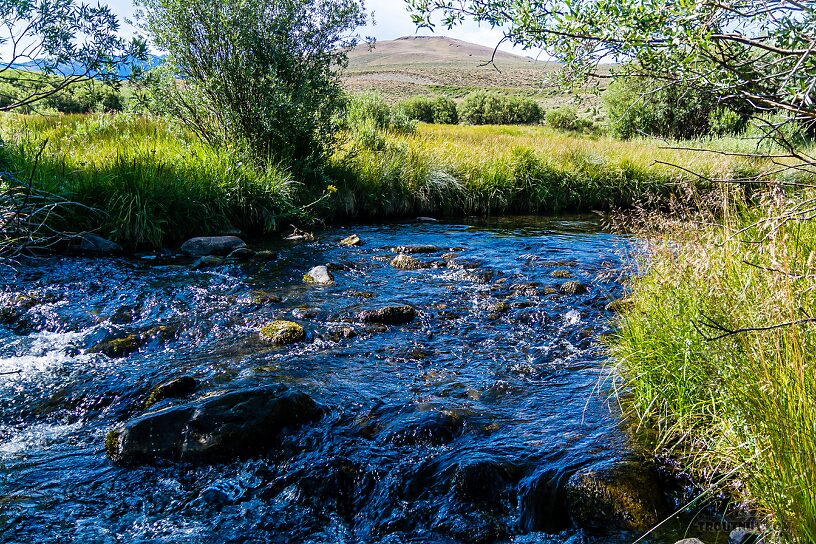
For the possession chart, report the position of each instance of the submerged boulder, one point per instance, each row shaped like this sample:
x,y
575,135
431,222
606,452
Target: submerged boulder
x,y
389,315
406,262
229,425
212,245
92,243
242,253
175,388
623,496
410,249
573,288
281,332
319,275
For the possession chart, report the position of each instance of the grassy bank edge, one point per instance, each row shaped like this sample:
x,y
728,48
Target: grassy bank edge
x,y
714,358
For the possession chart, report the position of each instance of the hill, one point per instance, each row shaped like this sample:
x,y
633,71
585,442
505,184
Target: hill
x,y
426,65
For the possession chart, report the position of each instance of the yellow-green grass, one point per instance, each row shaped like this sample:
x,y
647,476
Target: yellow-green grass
x,y
715,358
456,169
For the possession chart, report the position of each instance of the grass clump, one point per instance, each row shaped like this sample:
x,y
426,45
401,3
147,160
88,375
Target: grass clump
x,y
715,355
148,183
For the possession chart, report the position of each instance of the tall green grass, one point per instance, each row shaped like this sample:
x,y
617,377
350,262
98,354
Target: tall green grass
x,y
739,410
153,184
149,183
449,169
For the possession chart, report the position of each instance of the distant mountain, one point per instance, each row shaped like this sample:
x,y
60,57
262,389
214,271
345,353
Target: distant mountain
x,y
123,71
439,51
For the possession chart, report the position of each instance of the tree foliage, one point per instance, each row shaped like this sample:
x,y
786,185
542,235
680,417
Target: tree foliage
x,y
51,45
649,107
259,74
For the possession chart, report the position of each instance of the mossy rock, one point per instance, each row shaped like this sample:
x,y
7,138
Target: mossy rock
x,y
319,275
619,305
350,241
281,333
175,388
112,441
406,262
561,273
265,297
623,496
573,288
119,347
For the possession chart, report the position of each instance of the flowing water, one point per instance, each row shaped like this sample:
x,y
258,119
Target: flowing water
x,y
439,430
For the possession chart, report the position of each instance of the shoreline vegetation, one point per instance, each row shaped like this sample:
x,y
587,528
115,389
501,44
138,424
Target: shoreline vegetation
x,y
145,183
734,411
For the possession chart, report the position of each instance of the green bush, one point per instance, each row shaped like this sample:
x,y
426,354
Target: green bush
x,y
564,118
418,108
440,109
489,108
444,111
257,74
641,106
368,119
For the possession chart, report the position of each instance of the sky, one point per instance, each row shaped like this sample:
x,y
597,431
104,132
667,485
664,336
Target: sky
x,y
392,21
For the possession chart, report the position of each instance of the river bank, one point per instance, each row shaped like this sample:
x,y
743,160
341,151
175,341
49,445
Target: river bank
x,y
142,182
714,357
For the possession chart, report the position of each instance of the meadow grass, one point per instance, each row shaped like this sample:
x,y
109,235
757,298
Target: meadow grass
x,y
715,357
149,183
153,184
455,169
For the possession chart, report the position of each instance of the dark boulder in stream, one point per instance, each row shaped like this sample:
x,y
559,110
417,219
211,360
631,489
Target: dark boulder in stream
x,y
212,245
93,243
389,315
226,426
622,496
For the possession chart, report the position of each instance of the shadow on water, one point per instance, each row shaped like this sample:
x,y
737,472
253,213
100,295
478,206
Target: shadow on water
x,y
451,428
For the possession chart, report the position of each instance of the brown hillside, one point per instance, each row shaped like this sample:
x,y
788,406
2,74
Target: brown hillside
x,y
428,65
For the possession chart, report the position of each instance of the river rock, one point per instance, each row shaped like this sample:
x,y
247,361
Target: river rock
x,y
689,541
423,219
573,288
229,425
561,273
419,248
544,502
319,275
480,481
406,262
211,245
430,428
240,254
281,333
743,535
92,243
175,388
350,241
265,297
623,496
389,315
206,261
118,347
